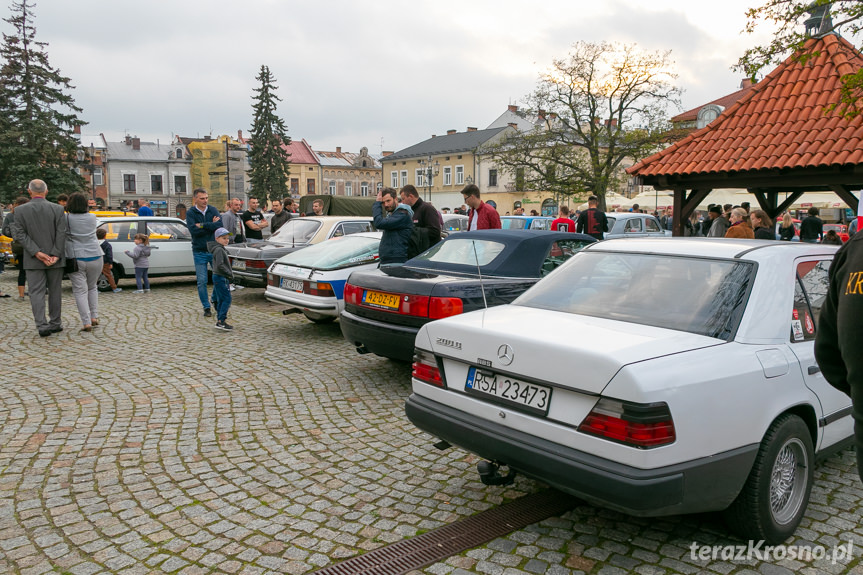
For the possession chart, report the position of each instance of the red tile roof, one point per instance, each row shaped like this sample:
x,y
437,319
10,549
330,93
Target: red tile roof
x,y
301,152
781,123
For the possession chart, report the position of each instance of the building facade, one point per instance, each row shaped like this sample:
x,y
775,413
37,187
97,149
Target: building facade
x,y
348,173
159,173
304,177
219,165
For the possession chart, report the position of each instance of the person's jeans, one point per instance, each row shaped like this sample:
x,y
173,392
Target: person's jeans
x,y
142,278
201,261
221,296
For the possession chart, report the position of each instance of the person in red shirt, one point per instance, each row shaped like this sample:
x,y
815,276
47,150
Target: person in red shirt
x,y
480,216
563,223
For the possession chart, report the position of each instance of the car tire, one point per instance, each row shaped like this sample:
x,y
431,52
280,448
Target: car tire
x,y
319,318
102,283
776,493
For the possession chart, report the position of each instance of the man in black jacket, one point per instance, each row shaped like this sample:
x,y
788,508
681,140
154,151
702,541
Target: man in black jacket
x,y
811,228
425,214
395,221
839,337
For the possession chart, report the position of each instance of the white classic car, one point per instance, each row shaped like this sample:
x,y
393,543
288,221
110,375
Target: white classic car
x,y
650,376
312,280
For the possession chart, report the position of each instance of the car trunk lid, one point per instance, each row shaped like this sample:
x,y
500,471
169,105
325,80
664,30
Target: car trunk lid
x,y
579,352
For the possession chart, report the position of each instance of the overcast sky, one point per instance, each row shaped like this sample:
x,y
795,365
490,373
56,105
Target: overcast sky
x,y
384,74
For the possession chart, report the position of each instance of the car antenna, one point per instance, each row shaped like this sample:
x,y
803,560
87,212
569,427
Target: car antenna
x,y
479,272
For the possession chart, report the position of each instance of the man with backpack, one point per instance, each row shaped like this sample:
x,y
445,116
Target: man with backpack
x,y
427,222
395,220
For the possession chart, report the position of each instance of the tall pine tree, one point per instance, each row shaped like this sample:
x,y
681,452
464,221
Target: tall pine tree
x,y
269,161
37,115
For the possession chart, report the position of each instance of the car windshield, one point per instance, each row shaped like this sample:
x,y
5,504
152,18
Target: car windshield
x,y
468,252
512,224
611,221
696,295
335,253
297,230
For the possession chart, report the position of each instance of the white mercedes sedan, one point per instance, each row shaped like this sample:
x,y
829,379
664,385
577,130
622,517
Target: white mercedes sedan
x,y
650,376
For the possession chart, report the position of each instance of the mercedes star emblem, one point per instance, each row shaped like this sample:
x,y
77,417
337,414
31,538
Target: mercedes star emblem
x,y
505,354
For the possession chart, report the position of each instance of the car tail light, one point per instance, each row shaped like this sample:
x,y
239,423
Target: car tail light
x,y
320,289
444,307
638,425
353,294
272,280
259,264
425,369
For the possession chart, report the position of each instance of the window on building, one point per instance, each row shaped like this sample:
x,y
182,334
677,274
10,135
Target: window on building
x,y
492,177
295,186
379,187
394,179
420,180
447,175
97,177
364,189
349,188
404,176
179,153
332,191
459,175
179,184
237,185
155,183
310,186
128,182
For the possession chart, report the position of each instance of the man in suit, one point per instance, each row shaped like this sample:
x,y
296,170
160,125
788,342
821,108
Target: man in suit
x,y
40,227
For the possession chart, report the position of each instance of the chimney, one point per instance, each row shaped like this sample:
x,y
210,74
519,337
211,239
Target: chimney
x,y
128,140
136,143
240,135
745,83
207,138
512,125
541,114
338,149
77,130
512,108
471,129
450,132
387,153
434,135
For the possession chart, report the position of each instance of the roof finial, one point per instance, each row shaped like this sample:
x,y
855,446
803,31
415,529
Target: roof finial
x,y
819,23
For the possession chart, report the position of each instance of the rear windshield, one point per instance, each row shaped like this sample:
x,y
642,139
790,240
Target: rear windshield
x,y
696,295
335,253
511,224
297,230
468,252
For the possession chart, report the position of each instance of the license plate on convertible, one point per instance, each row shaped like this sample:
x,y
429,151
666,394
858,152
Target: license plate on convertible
x,y
506,389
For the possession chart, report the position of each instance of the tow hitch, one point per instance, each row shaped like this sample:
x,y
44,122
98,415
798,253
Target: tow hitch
x,y
489,474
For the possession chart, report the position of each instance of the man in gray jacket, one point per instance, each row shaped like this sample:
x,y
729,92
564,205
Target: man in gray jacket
x,y
40,227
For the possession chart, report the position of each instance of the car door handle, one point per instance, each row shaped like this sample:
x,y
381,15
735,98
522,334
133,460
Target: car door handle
x,y
813,369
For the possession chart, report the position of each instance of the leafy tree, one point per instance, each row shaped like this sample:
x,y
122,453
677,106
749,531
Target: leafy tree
x,y
269,161
602,105
788,17
37,115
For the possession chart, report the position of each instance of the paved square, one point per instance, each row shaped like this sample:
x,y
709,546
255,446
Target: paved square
x,y
158,444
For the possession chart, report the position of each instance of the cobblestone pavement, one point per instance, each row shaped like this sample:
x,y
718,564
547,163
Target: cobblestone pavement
x,y
157,444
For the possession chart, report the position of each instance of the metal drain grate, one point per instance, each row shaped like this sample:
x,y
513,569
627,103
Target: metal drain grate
x,y
443,542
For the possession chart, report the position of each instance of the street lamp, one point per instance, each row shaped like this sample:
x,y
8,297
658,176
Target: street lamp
x,y
429,172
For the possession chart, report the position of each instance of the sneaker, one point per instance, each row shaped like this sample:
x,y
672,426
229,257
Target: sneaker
x,y
232,287
118,290
147,290
208,312
20,298
224,325
138,291
239,286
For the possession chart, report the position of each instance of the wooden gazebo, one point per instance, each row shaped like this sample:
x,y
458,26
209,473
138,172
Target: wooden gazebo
x,y
781,138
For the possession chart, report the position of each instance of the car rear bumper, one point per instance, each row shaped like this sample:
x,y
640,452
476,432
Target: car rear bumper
x,y
705,484
384,339
250,279
327,306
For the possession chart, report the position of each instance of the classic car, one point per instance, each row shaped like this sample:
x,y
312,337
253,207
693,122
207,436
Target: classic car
x,y
250,260
633,225
384,308
525,222
312,280
649,376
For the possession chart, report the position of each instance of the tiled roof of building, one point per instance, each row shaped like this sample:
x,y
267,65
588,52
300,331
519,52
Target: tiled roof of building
x,y
724,101
781,123
301,152
449,144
